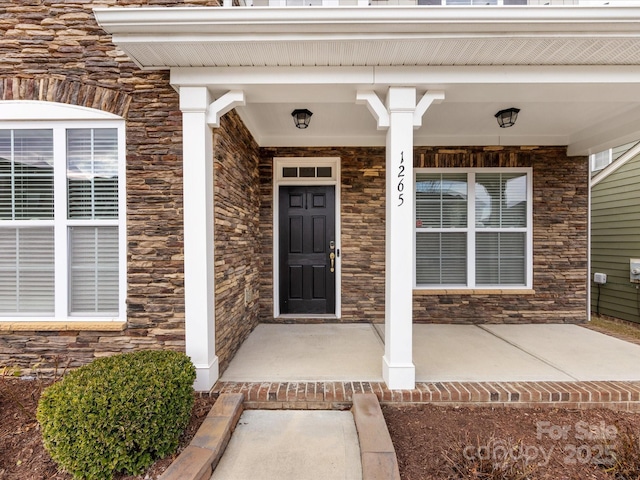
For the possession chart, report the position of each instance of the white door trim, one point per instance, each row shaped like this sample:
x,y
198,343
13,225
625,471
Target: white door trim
x,y
278,181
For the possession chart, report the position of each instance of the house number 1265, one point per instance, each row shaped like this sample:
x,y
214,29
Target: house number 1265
x,y
401,180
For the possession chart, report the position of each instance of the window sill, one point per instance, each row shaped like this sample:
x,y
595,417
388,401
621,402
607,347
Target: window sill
x,y
474,291
21,326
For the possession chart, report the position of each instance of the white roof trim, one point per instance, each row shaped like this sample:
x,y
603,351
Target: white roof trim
x,y
367,21
32,110
612,167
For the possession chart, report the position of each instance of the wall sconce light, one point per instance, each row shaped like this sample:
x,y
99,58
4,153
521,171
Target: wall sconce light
x,y
507,118
301,117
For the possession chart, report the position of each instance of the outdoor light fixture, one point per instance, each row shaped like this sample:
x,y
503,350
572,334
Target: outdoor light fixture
x,y
301,117
507,118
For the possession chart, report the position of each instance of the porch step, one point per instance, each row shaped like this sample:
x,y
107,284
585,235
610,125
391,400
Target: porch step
x,y
199,459
615,395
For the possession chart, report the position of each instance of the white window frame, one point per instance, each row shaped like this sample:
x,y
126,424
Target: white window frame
x,y
20,115
471,229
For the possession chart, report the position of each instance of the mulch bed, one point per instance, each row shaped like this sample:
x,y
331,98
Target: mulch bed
x,y
435,442
22,455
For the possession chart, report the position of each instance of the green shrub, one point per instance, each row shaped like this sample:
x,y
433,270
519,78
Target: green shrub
x,y
117,414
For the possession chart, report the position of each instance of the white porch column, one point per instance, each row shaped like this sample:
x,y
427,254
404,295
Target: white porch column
x,y
198,236
400,115
398,369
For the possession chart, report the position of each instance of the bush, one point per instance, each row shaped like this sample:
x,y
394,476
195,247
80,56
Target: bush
x,y
117,414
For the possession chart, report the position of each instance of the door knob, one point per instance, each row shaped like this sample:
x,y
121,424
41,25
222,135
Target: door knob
x,y
332,257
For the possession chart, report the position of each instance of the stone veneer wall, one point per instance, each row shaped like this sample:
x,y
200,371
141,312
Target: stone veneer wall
x,y
55,51
237,249
560,200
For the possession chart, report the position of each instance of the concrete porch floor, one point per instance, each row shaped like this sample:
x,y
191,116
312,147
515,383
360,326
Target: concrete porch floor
x,y
442,353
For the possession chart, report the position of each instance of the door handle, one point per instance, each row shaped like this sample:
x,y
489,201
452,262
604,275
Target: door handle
x,y
332,257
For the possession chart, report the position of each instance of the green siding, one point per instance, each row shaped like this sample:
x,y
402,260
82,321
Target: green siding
x,y
615,238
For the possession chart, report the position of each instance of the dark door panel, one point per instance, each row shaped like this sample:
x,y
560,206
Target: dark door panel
x,y
307,228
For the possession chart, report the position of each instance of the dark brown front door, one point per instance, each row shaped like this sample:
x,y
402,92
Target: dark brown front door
x,y
307,235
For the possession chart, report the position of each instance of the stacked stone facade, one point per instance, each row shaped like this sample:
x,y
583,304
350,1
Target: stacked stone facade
x,y
236,233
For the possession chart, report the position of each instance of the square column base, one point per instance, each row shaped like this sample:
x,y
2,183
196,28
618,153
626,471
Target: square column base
x,y
399,376
206,376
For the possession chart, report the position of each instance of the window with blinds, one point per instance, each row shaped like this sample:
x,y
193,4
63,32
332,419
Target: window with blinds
x,y
27,271
441,219
26,174
94,269
35,222
472,228
92,173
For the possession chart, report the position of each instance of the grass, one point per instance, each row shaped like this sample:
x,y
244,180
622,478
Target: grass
x,y
618,328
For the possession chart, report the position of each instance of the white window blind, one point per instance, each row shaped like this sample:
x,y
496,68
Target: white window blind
x,y
441,206
441,200
501,200
26,174
27,271
500,258
472,228
92,173
94,269
441,258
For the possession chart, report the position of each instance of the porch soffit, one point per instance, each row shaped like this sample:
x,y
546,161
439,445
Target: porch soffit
x,y
573,71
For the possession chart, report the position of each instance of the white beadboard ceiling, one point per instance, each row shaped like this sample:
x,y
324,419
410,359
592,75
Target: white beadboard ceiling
x,y
400,52
573,71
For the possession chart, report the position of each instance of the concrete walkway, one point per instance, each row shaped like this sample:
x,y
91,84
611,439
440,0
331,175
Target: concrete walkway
x,y
290,445
442,353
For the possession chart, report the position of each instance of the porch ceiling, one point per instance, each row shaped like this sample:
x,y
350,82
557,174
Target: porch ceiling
x,y
573,71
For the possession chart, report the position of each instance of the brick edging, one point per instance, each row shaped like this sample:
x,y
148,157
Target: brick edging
x,y
198,460
377,454
615,395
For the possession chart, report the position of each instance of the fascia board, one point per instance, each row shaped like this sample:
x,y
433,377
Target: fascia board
x,y
273,75
509,74
493,21
414,75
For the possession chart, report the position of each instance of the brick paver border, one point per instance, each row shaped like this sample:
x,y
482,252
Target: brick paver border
x,y
615,395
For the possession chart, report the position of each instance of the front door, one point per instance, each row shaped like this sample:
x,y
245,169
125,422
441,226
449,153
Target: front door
x,y
307,245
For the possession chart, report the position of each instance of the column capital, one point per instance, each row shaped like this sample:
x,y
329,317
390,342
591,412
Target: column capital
x,y
194,99
401,99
